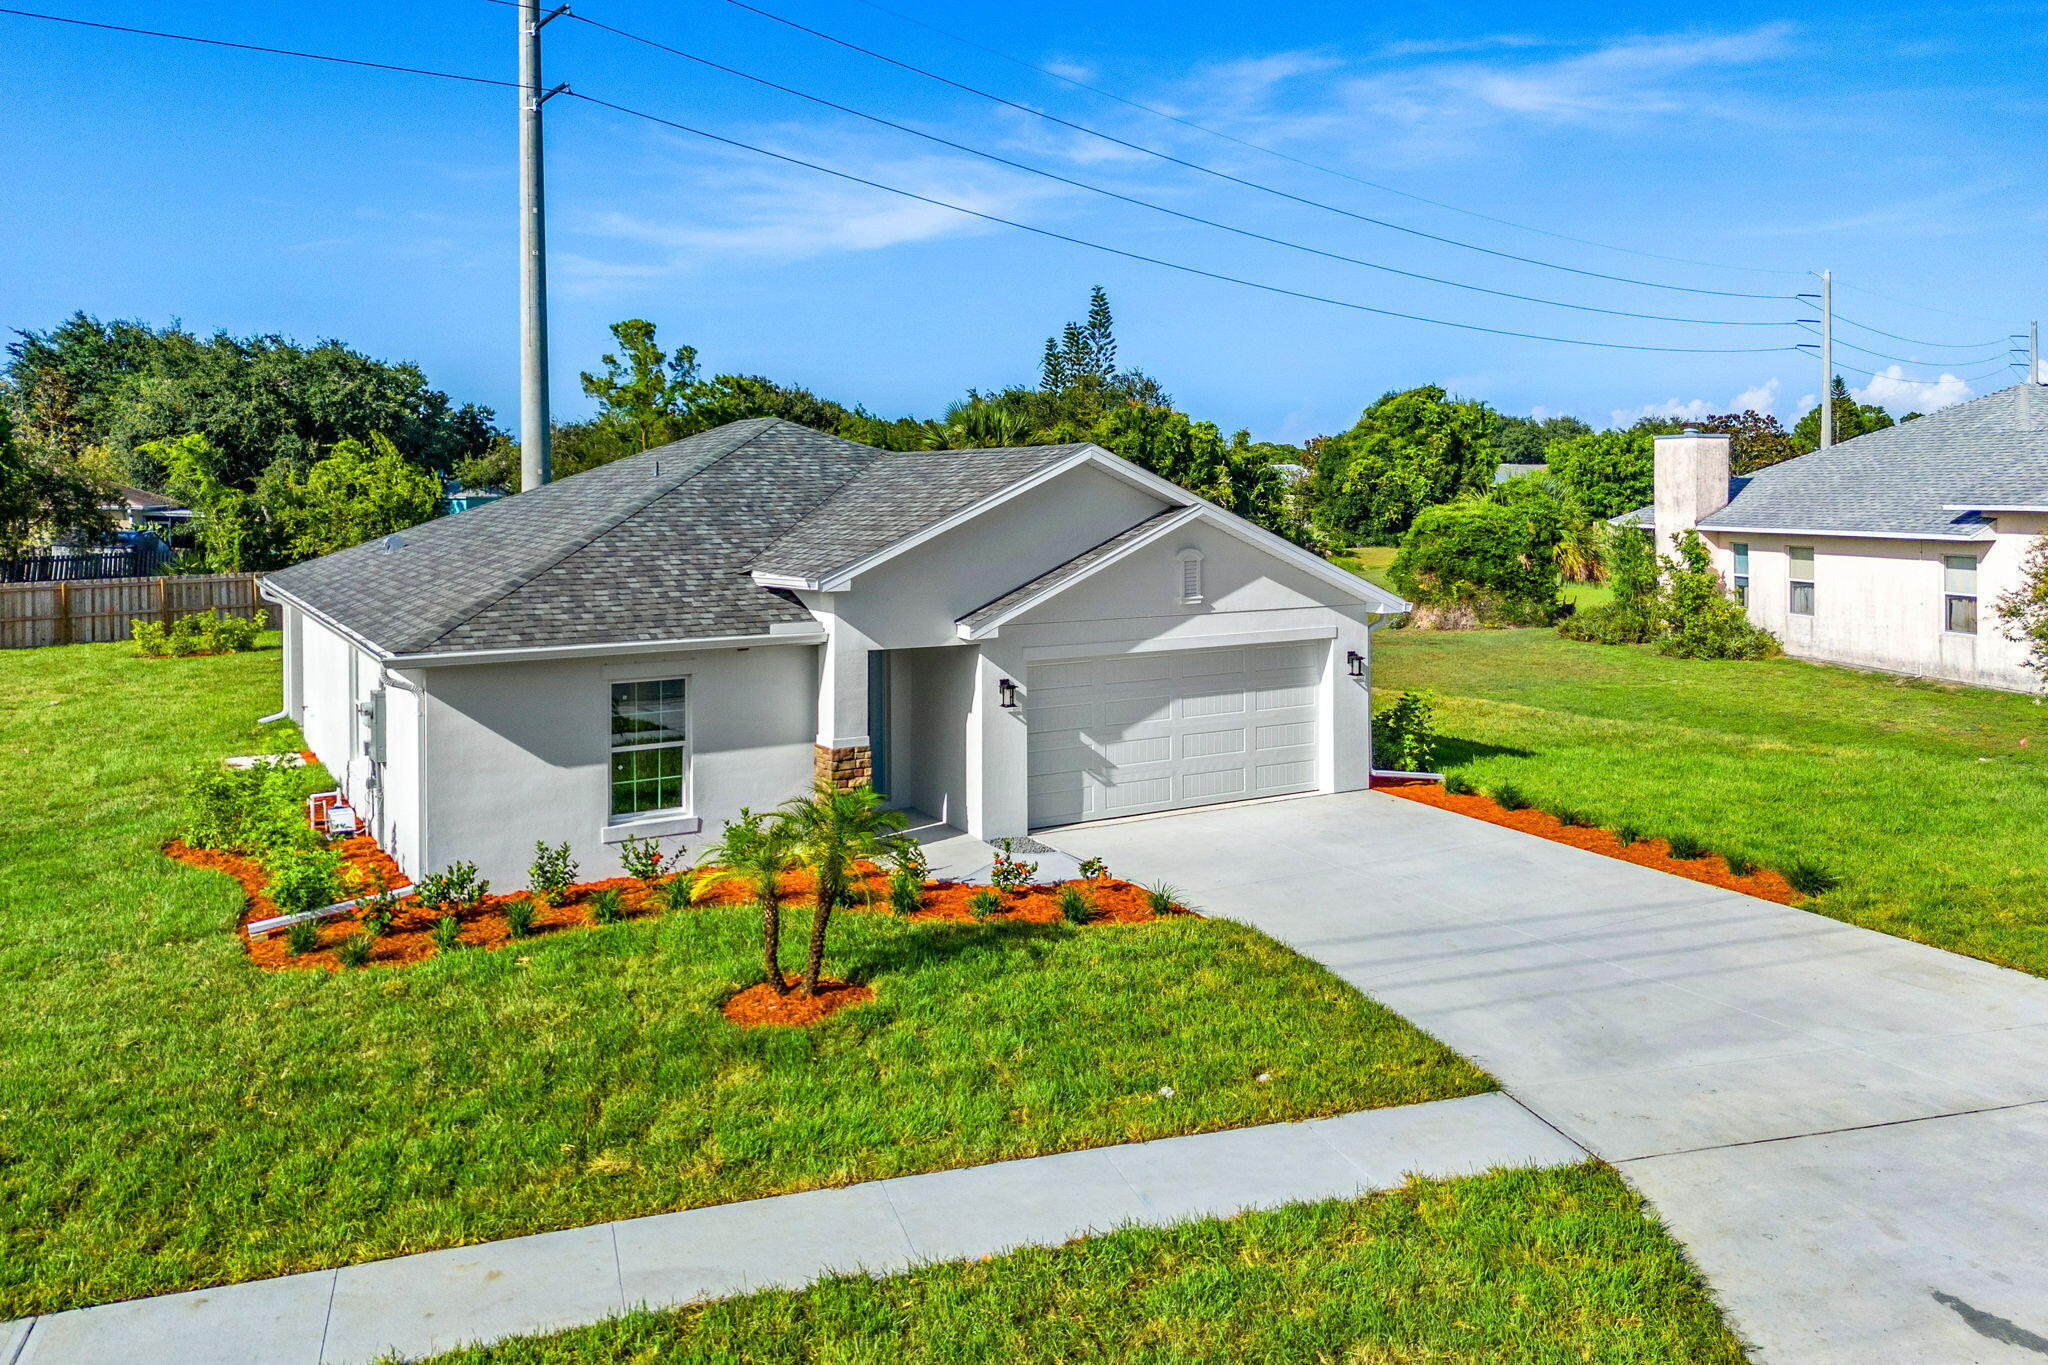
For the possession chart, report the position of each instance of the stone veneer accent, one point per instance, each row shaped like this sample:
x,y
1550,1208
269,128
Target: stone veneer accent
x,y
844,768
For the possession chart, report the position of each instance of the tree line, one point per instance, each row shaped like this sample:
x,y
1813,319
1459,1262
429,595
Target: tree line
x,y
286,451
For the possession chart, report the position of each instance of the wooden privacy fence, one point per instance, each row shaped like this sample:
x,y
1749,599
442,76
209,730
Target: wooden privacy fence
x,y
93,611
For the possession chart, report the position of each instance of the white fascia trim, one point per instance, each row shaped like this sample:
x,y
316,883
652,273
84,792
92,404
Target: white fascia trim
x,y
265,589
1987,507
987,630
840,579
1984,534
801,635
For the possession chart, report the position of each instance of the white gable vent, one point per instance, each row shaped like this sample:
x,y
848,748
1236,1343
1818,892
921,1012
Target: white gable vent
x,y
1190,576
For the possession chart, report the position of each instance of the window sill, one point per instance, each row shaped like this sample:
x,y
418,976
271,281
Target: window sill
x,y
650,827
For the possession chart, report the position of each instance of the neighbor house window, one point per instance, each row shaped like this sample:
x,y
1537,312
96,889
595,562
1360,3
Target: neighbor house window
x,y
1959,593
1802,580
649,747
1741,573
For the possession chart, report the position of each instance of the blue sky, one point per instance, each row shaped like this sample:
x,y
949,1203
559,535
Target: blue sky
x,y
1898,146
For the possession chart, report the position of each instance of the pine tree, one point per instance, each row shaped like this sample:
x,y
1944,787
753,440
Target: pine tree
x,y
1100,334
1052,371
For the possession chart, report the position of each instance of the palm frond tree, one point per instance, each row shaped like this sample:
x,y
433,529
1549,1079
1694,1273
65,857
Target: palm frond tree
x,y
758,849
832,829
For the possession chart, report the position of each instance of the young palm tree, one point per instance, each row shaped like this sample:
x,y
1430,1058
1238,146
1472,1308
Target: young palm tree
x,y
833,829
757,849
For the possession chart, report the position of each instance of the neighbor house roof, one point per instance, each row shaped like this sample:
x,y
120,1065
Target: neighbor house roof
x,y
1924,478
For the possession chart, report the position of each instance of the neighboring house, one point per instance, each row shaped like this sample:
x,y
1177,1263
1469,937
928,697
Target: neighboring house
x,y
1888,551
139,509
463,499
1002,639
1508,470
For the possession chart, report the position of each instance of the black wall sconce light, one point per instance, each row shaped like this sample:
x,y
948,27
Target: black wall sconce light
x,y
1008,691
1357,663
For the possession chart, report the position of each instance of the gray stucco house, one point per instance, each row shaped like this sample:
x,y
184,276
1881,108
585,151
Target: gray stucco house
x,y
1000,639
1887,551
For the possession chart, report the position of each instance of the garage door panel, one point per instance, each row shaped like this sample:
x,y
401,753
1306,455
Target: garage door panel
x,y
1153,731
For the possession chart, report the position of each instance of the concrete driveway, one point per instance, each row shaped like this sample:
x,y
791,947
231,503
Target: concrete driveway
x,y
1848,1131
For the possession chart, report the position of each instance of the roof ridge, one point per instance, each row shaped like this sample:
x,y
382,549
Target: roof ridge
x,y
585,543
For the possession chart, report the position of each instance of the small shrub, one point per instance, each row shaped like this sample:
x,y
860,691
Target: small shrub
x,y
1738,865
455,887
302,937
1608,625
1685,847
152,638
304,879
203,632
1010,873
354,951
644,861
1509,797
906,891
1404,735
232,634
607,906
1164,899
677,895
1094,869
447,934
518,916
1810,879
982,904
1075,905
1574,819
377,906
909,856
1457,784
1628,833
553,872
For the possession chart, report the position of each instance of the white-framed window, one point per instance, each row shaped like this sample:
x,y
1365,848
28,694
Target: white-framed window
x,y
650,748
1741,572
1801,601
1190,577
1959,594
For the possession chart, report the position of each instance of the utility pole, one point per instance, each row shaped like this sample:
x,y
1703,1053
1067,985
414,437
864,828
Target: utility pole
x,y
1827,358
2033,353
534,458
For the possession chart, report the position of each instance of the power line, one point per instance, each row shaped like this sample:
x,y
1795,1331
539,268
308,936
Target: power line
x,y
1927,307
1235,179
1146,203
1156,260
1916,341
274,51
1303,161
1931,383
1903,360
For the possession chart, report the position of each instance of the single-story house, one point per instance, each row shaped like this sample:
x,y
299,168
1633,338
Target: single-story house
x,y
1887,551
999,639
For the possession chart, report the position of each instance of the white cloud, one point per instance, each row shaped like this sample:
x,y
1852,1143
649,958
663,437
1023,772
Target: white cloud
x,y
1892,390
1429,47
1761,397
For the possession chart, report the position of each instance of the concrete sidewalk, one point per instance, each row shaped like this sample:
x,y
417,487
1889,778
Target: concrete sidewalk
x,y
1846,1129
417,1305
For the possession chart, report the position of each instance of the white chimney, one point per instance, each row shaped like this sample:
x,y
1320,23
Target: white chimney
x,y
1692,482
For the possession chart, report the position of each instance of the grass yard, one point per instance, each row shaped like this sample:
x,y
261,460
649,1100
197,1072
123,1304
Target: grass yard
x,y
171,1116
1557,1267
1928,801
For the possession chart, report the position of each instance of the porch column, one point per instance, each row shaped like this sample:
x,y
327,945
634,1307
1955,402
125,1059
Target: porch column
x,y
998,749
843,755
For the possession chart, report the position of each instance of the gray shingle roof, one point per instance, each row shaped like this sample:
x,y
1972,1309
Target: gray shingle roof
x,y
895,498
1053,578
1992,451
659,546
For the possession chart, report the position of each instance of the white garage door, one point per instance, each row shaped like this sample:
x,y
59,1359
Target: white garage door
x,y
1146,732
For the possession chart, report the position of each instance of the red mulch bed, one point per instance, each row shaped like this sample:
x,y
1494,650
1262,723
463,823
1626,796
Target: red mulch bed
x,y
410,937
1762,883
758,1005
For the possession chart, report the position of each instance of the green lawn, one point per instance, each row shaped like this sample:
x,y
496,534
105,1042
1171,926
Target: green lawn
x,y
1928,801
172,1117
1557,1267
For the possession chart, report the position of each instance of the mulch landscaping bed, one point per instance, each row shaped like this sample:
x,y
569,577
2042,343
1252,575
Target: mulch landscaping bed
x,y
758,1005
410,937
1711,869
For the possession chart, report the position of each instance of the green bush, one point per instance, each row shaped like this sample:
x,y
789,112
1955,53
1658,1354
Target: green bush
x,y
906,891
607,906
1404,735
1075,906
302,937
553,872
1509,797
354,951
1685,847
1574,819
203,632
1738,865
1611,624
1628,833
1094,868
1482,561
982,904
447,934
304,879
518,916
1164,898
1809,879
1697,618
644,861
455,887
1457,784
